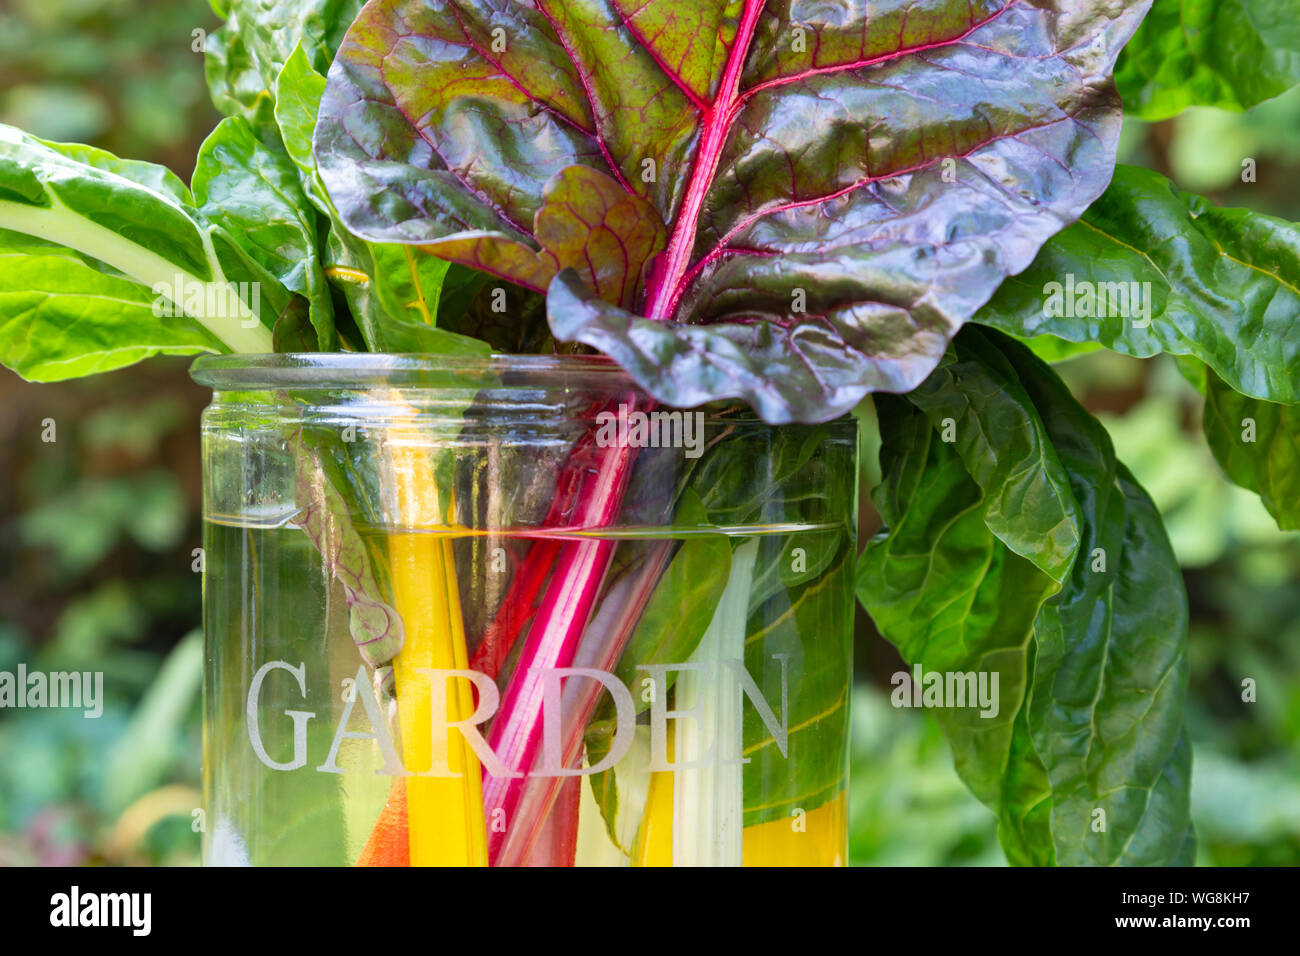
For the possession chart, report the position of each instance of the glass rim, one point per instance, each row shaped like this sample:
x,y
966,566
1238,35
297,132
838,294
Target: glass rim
x,y
332,370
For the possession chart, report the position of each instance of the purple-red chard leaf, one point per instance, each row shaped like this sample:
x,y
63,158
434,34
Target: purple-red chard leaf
x,y
794,202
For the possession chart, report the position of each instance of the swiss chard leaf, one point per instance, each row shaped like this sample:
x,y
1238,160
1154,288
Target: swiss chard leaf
x,y
265,66
776,201
759,475
62,315
798,615
1101,727
1111,667
375,626
1232,54
670,628
252,191
244,56
799,642
510,318
394,295
1222,285
1258,445
136,226
681,607
1025,801
942,587
1003,445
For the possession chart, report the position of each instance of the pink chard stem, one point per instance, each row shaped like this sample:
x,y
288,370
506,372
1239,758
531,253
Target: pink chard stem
x,y
665,286
580,570
553,639
541,798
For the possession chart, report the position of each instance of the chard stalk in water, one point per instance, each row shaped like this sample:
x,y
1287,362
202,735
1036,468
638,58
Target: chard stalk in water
x,y
552,641
708,793
601,646
445,813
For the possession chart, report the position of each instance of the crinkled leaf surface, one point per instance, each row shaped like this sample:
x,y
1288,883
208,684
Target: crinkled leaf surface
x,y
1001,440
1110,674
811,197
942,587
1227,53
812,623
244,57
63,315
1222,285
955,585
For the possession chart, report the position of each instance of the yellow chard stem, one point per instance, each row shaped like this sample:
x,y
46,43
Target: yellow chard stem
x,y
445,814
654,839
816,839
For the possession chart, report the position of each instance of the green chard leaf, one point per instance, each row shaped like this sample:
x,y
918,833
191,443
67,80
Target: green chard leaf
x,y
393,293
953,597
762,201
800,610
797,617
1257,443
669,629
298,89
1091,709
681,607
1232,54
760,475
1024,805
266,66
1222,285
293,331
798,649
63,315
799,625
252,191
77,224
244,56
1051,349
1002,443
1111,667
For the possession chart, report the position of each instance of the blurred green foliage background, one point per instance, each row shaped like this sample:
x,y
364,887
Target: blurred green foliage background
x,y
97,527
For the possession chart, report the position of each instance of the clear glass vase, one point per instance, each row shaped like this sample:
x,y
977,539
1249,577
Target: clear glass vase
x,y
507,611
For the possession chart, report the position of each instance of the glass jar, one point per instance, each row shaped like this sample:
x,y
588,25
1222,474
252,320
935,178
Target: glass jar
x,y
508,611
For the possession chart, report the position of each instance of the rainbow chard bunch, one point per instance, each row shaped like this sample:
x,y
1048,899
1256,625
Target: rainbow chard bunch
x,y
796,203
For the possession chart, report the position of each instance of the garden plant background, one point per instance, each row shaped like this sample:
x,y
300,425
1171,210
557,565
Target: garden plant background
x,y
98,525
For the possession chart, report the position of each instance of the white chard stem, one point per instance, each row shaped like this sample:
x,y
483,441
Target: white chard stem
x,y
241,331
708,800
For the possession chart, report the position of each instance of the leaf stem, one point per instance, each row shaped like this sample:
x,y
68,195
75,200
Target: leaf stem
x,y
708,794
663,291
557,628
602,645
241,332
444,813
